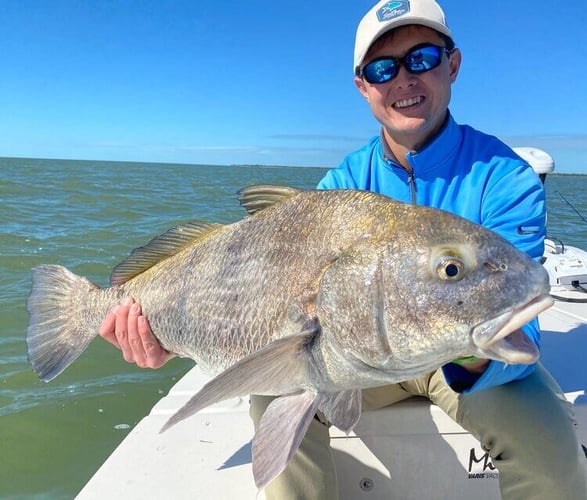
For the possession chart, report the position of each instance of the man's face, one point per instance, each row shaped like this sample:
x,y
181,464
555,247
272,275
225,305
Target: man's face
x,y
411,107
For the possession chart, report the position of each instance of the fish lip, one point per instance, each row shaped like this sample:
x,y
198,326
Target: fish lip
x,y
499,338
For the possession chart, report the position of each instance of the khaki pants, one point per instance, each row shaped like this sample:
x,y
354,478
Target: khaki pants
x,y
527,426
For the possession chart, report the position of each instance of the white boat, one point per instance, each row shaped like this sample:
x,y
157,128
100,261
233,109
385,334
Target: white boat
x,y
410,450
566,265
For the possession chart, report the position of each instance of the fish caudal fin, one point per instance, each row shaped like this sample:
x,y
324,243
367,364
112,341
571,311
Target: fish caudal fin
x,y
54,338
281,430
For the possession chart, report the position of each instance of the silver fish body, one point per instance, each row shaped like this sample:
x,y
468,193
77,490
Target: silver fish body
x,y
314,296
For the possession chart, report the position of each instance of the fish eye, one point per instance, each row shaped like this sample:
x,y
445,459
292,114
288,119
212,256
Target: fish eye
x,y
450,269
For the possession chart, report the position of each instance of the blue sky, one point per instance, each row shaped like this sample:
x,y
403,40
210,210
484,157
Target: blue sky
x,y
259,82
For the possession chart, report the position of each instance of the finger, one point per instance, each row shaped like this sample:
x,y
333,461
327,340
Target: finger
x,y
121,329
134,339
108,326
156,356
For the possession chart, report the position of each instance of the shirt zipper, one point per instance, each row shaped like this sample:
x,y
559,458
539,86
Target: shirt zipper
x,y
411,178
412,183
388,157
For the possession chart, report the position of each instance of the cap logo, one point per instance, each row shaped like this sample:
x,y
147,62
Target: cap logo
x,y
391,10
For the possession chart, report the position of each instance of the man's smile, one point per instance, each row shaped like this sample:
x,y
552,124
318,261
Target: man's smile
x,y
405,103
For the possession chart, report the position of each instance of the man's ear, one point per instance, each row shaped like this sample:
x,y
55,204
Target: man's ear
x,y
454,64
362,87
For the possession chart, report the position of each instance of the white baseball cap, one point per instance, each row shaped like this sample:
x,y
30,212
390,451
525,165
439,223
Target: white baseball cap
x,y
386,15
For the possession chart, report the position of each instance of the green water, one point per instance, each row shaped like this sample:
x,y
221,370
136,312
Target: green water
x,y
87,216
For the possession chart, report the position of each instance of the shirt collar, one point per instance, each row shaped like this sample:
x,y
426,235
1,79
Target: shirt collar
x,y
434,152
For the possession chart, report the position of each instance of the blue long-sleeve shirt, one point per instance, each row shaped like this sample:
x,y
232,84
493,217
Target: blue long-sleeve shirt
x,y
470,174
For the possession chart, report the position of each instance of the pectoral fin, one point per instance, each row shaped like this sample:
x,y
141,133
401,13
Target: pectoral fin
x,y
281,367
281,430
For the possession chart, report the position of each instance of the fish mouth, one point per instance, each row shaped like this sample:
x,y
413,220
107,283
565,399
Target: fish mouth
x,y
501,339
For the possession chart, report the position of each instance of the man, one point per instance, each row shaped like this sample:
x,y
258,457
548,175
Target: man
x,y
405,63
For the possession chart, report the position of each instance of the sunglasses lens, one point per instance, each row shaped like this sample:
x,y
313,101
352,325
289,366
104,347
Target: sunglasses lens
x,y
423,59
380,71
418,60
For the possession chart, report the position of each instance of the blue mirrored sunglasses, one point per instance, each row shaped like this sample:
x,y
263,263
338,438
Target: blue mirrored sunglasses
x,y
419,59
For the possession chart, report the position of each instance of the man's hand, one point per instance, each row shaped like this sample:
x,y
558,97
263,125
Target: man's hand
x,y
126,328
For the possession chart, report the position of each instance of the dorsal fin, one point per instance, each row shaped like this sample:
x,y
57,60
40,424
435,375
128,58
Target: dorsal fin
x,y
256,198
160,248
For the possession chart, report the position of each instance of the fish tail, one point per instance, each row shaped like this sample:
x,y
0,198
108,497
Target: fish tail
x,y
56,335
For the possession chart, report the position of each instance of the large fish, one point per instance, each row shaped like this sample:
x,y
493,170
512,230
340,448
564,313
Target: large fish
x,y
315,296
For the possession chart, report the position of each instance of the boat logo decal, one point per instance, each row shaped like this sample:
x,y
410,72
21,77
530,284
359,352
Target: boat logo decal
x,y
481,467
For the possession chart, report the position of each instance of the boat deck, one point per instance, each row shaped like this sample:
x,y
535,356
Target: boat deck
x,y
411,450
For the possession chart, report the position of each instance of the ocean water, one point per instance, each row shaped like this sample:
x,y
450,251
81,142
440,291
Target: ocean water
x,y
88,216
